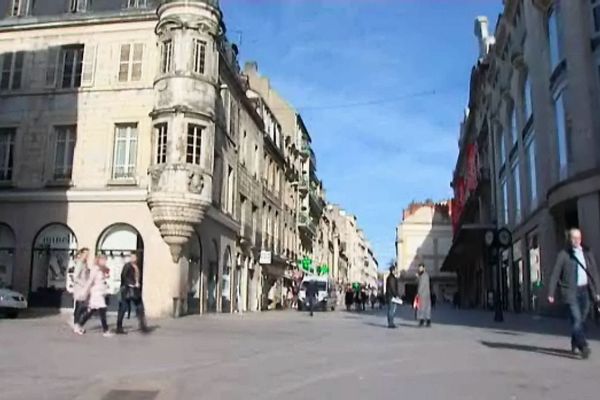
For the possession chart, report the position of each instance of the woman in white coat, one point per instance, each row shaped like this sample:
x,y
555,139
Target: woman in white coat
x,y
97,290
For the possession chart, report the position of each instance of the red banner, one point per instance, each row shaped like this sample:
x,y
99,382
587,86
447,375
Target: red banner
x,y
465,184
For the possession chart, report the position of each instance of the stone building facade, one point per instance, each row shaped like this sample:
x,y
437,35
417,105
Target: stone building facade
x,y
355,262
128,127
425,236
533,122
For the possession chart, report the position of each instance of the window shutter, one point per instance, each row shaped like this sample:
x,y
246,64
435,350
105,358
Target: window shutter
x,y
89,61
52,66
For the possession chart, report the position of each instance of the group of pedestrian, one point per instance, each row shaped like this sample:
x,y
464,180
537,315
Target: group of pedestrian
x,y
91,292
422,302
359,296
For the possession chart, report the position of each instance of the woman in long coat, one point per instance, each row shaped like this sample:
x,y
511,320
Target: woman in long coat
x,y
424,292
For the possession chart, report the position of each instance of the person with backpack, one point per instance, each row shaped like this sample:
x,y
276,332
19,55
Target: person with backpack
x,y
577,273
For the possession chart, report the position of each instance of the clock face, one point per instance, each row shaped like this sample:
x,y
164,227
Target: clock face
x,y
504,237
489,238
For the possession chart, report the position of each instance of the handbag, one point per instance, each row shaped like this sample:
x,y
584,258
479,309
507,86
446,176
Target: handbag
x,y
416,302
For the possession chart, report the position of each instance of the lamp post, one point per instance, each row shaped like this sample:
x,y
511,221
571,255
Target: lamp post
x,y
497,240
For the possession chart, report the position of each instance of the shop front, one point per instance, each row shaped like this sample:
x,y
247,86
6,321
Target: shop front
x,y
52,266
7,255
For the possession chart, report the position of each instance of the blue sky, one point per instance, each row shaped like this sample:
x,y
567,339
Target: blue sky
x,y
410,58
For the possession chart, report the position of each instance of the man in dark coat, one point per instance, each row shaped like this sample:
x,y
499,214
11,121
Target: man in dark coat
x,y
131,292
311,294
391,292
576,272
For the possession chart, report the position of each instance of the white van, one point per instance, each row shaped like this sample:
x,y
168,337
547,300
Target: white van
x,y
326,293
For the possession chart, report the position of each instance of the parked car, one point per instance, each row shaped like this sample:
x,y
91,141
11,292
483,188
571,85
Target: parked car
x,y
11,302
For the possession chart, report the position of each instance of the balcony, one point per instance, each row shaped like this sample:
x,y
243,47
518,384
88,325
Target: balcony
x,y
316,201
305,150
304,184
246,235
306,224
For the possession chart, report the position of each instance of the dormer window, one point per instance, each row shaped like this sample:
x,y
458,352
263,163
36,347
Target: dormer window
x,y
137,3
78,6
19,8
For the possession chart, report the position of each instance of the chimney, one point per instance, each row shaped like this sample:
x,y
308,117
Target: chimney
x,y
483,35
251,67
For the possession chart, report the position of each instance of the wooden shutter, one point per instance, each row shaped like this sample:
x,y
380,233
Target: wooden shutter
x,y
89,62
51,68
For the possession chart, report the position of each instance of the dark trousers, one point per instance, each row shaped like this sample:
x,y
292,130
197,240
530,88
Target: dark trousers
x,y
579,310
80,307
391,312
125,305
85,316
311,304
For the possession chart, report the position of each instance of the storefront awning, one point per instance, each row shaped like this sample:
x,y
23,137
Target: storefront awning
x,y
466,247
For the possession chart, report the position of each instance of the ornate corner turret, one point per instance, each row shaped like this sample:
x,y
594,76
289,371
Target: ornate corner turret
x,y
185,94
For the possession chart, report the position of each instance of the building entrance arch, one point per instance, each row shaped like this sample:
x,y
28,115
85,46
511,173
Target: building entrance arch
x,y
52,266
118,242
7,255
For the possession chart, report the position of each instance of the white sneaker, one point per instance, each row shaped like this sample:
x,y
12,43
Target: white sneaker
x,y
78,329
108,334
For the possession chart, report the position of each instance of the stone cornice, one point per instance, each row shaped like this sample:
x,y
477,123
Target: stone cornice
x,y
73,20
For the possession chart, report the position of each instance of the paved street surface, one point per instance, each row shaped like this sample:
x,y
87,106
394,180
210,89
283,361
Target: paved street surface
x,y
288,355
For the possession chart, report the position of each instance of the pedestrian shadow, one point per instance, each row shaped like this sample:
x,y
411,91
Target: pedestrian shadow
x,y
531,349
384,325
507,333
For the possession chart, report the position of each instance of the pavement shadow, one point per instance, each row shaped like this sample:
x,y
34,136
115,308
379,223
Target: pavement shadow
x,y
531,349
513,325
384,325
507,333
34,313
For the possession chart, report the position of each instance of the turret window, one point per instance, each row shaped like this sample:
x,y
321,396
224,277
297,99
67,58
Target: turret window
x,y
166,63
199,56
194,144
161,143
77,6
137,3
19,8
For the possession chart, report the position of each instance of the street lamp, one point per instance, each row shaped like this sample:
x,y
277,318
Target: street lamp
x,y
497,240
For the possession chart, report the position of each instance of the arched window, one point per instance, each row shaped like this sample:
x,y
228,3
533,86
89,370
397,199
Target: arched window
x,y
226,281
193,252
7,255
212,278
53,259
118,242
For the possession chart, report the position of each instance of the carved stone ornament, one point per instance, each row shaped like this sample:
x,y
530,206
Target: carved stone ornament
x,y
168,24
195,182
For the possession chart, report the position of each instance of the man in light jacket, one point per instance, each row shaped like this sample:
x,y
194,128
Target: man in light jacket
x,y
576,273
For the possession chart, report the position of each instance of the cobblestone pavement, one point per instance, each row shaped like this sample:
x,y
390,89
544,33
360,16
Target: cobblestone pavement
x,y
288,355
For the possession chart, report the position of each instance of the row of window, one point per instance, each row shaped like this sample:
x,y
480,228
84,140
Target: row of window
x,y
22,8
72,66
198,56
124,153
554,32
271,226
